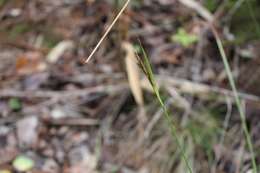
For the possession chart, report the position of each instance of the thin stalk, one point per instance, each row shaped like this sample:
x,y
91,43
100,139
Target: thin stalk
x,y
237,99
172,128
146,67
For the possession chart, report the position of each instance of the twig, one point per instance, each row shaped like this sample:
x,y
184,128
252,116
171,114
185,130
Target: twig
x,y
74,122
107,31
61,94
191,87
227,119
223,135
24,45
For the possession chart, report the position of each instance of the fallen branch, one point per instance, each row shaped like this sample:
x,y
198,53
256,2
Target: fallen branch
x,y
74,122
62,94
199,89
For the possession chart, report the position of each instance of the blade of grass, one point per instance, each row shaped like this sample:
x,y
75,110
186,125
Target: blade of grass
x,y
237,99
107,31
147,69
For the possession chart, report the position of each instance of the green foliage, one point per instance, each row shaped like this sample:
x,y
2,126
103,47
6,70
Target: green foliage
x,y
201,137
2,2
19,29
211,5
184,38
136,3
23,163
50,38
15,104
50,42
245,21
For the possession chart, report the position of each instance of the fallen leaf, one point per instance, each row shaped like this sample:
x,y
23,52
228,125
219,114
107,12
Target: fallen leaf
x,y
58,113
133,73
82,160
29,63
5,171
27,131
23,163
58,51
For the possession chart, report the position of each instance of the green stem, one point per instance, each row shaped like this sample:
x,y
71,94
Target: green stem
x,y
237,100
172,128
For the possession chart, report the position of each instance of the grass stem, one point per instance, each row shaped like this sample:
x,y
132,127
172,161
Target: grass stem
x,y
237,99
147,69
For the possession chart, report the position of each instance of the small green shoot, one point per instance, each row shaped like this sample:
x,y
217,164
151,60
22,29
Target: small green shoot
x,y
147,69
184,38
15,104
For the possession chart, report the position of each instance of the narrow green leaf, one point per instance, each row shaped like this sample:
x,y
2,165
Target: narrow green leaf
x,y
237,99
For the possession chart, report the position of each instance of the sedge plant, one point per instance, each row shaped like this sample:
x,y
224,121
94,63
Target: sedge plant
x,y
145,66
